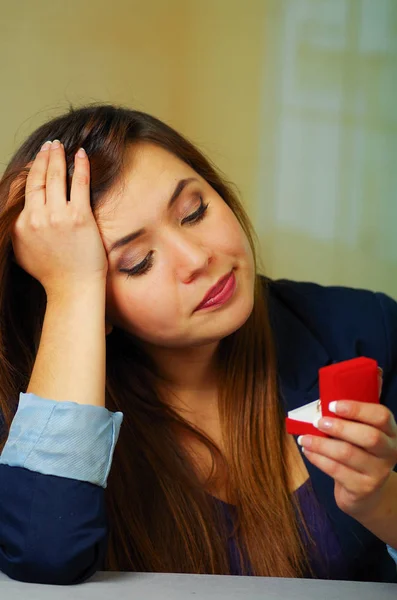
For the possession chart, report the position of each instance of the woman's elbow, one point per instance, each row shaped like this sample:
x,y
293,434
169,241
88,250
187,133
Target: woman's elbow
x,y
55,567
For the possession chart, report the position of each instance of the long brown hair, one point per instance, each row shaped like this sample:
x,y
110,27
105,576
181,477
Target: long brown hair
x,y
161,518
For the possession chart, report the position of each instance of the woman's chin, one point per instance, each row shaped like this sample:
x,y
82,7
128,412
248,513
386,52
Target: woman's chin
x,y
218,324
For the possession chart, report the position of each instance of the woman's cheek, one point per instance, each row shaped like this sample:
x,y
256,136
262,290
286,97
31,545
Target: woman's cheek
x,y
145,314
231,236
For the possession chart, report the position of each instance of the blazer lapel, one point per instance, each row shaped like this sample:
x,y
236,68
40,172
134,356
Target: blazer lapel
x,y
300,355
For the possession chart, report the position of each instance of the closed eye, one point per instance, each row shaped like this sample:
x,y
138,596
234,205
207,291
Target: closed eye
x,y
147,263
197,215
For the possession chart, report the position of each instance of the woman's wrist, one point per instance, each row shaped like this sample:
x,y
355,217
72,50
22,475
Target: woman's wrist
x,y
381,518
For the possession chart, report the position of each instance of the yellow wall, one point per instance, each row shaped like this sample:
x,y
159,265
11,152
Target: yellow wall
x,y
293,99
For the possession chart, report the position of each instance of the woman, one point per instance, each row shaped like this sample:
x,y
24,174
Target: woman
x,y
135,249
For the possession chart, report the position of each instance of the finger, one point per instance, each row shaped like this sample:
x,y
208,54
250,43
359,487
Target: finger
x,y
80,189
369,438
350,479
380,381
56,177
346,454
370,413
35,190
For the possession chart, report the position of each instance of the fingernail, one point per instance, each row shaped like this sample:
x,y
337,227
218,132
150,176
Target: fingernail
x,y
332,406
81,153
316,422
55,144
299,440
45,146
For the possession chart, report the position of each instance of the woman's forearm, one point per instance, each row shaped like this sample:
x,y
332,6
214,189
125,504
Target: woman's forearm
x,y
70,363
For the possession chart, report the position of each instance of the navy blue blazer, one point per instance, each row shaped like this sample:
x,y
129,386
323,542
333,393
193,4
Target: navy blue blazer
x,y
53,529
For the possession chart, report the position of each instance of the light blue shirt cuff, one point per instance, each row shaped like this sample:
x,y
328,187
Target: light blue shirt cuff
x,y
393,553
65,439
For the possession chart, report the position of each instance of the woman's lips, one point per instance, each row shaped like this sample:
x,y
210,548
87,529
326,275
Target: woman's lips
x,y
220,293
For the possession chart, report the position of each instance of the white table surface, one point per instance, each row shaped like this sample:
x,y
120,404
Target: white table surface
x,y
148,586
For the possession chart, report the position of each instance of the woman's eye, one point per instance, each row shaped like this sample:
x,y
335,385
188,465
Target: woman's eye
x,y
142,267
147,263
197,215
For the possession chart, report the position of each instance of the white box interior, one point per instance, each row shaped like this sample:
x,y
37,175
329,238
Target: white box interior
x,y
307,413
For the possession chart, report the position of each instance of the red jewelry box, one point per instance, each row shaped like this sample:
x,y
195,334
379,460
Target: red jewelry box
x,y
354,379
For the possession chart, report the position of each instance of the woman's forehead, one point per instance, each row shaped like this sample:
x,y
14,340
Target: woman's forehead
x,y
141,194
149,173
144,163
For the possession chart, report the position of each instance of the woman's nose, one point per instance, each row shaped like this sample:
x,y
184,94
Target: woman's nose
x,y
189,255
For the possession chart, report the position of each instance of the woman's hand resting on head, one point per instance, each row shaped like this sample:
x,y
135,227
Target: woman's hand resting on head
x,y
360,455
57,240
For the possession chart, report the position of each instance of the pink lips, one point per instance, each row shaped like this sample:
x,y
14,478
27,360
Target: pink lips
x,y
220,292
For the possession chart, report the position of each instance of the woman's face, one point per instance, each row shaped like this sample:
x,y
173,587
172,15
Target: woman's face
x,y
181,251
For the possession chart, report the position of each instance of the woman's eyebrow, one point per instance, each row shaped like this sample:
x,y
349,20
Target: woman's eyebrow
x,y
135,234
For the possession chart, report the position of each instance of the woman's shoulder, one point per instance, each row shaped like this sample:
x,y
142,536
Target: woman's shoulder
x,y
347,321
339,299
